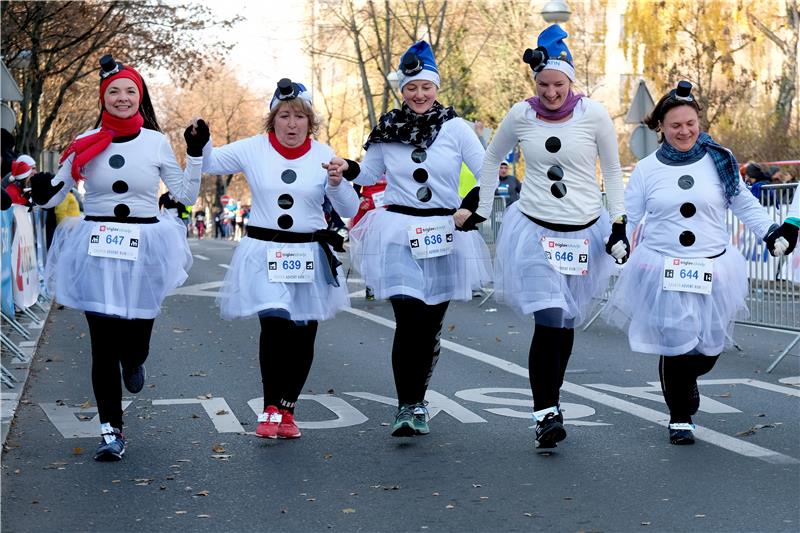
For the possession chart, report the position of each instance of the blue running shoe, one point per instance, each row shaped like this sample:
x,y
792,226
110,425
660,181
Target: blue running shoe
x,y
681,433
112,447
134,378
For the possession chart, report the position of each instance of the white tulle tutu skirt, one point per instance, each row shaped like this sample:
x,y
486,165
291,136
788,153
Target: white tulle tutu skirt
x,y
379,250
111,286
247,290
526,281
675,323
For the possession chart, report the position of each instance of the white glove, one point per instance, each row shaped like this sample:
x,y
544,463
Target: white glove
x,y
781,245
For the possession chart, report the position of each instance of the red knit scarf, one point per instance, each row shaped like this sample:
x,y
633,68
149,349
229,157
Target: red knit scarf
x,y
89,147
285,151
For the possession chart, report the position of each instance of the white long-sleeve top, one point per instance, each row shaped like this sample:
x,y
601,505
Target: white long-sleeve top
x,y
429,178
560,183
123,180
686,207
287,193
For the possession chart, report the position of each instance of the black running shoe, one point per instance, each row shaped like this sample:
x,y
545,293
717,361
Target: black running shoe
x,y
134,378
112,447
681,434
550,430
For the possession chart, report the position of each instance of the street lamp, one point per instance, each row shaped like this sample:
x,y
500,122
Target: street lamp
x,y
394,82
556,11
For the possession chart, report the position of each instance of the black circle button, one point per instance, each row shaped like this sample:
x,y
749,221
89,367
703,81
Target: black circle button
x,y
116,161
687,238
119,187
285,201
122,211
686,182
553,144
419,155
424,194
555,173
289,176
688,210
285,221
558,189
420,175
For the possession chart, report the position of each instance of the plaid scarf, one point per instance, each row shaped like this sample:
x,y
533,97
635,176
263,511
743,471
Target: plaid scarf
x,y
724,161
407,127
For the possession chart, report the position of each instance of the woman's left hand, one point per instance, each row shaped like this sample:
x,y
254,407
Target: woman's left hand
x,y
196,136
461,216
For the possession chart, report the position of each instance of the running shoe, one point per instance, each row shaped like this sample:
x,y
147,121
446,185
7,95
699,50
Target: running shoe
x,y
268,423
681,433
134,378
112,447
287,429
550,430
404,422
420,420
369,294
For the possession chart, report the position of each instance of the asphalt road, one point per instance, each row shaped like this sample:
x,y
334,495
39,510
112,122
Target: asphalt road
x,y
193,463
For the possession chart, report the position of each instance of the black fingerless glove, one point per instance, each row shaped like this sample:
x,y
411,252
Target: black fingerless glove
x,y
471,200
785,230
41,188
472,222
618,235
197,140
353,170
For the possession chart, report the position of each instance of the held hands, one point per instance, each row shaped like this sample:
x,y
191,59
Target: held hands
x,y
617,245
461,216
42,190
781,240
470,222
196,136
336,168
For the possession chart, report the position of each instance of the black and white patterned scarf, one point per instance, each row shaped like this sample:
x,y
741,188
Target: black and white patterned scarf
x,y
407,127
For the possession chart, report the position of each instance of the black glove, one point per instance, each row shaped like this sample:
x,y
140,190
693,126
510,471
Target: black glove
x,y
471,200
618,235
785,230
197,140
472,222
41,188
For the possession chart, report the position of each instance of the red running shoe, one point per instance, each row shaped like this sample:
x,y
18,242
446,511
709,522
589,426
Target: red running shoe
x,y
268,423
287,429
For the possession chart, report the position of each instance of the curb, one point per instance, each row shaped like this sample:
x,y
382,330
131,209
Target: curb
x,y
10,398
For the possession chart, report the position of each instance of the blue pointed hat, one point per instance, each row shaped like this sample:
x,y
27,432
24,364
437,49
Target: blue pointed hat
x,y
418,63
560,58
289,90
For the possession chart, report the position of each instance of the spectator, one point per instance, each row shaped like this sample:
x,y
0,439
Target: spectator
x,y
508,187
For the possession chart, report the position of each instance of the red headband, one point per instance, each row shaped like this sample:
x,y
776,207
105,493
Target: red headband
x,y
126,72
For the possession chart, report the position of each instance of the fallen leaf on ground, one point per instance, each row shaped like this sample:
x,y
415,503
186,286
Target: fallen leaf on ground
x,y
752,430
218,448
201,493
328,455
221,456
222,412
181,512
77,451
449,506
85,405
451,327
349,510
204,516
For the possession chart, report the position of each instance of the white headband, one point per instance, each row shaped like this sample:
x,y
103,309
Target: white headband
x,y
561,66
423,74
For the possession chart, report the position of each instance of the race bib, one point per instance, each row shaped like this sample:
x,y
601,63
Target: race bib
x,y
114,240
688,275
431,240
568,256
290,265
377,199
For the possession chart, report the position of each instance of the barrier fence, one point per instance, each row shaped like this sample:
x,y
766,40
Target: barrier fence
x,y
23,245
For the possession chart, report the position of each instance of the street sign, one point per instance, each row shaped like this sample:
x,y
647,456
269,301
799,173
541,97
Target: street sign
x,y
643,142
641,106
224,199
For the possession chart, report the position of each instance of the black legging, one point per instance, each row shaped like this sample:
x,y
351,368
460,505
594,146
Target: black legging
x,y
285,353
548,357
115,341
679,375
416,346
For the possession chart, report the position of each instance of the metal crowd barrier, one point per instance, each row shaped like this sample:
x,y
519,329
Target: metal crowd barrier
x,y
774,283
11,325
490,230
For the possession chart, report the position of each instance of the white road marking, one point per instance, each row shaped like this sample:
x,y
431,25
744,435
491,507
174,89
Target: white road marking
x,y
202,257
199,289
713,437
753,383
223,265
793,380
437,403
217,410
66,421
346,414
653,393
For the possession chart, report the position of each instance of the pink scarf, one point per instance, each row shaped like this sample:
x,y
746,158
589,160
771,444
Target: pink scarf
x,y
564,111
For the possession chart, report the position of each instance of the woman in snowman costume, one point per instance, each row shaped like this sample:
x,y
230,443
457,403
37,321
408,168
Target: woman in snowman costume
x,y
119,262
284,271
685,284
418,252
